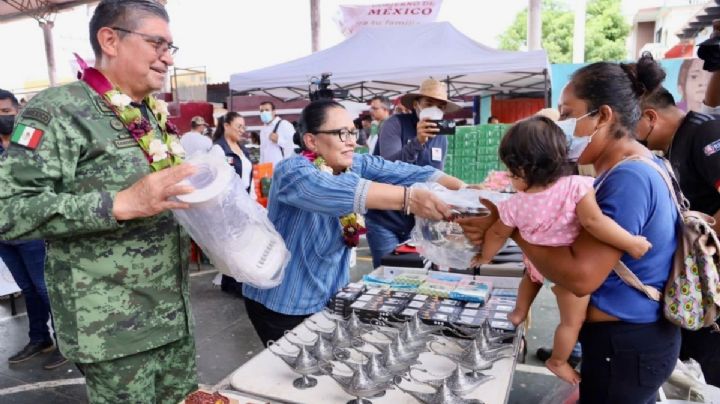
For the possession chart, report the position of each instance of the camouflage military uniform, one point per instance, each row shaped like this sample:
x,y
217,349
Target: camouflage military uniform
x,y
117,289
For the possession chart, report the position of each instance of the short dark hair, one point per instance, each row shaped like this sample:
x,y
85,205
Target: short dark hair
x,y
126,14
385,101
7,95
365,118
658,99
535,150
312,117
272,106
490,119
620,87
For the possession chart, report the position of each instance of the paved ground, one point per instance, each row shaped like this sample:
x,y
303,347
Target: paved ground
x,y
225,340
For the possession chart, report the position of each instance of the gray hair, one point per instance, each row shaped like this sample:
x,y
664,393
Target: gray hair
x,y
123,13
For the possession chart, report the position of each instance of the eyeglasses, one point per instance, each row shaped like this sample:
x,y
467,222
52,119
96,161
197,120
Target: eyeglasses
x,y
161,44
343,134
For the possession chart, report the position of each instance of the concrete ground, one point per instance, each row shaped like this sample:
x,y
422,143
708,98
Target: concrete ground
x,y
225,340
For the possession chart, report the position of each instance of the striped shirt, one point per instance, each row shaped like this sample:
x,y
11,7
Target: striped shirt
x,y
305,205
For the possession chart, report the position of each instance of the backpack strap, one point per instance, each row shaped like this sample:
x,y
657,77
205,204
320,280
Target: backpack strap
x,y
622,270
629,277
667,176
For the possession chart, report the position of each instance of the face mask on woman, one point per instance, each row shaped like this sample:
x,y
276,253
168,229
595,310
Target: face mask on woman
x,y
576,144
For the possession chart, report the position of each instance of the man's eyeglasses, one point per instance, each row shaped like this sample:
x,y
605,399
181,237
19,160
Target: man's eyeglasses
x,y
161,44
343,134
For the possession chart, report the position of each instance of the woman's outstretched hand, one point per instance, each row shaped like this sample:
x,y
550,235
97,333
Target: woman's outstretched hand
x,y
425,204
475,227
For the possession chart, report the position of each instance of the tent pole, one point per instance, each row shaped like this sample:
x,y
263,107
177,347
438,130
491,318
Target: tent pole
x,y
47,27
447,83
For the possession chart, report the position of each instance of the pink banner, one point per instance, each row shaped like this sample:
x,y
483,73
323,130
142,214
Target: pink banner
x,y
350,19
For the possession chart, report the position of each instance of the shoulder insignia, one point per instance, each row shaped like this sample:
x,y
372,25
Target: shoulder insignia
x,y
103,107
712,148
38,115
26,136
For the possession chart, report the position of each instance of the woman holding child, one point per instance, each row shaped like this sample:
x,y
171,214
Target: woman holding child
x,y
629,349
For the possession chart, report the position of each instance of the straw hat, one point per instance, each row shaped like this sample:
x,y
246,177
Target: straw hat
x,y
430,88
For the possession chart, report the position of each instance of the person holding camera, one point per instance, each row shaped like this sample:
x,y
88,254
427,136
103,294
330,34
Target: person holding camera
x,y
411,138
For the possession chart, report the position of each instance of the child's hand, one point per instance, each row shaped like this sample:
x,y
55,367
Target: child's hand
x,y
639,247
478,260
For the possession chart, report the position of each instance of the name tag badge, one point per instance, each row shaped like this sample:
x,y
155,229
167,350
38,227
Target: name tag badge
x,y
125,143
231,160
436,154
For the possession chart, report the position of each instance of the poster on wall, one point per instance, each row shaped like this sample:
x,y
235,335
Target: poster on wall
x,y
685,80
351,19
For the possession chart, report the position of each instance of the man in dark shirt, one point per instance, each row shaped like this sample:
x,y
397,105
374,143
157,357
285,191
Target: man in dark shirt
x,y
410,138
692,144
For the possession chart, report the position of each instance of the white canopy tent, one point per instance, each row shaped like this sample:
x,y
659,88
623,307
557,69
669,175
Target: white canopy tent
x,y
394,61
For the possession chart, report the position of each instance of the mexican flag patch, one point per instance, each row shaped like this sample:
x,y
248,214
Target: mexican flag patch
x,y
26,136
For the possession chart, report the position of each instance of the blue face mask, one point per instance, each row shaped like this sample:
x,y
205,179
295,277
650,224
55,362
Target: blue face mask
x,y
266,116
576,144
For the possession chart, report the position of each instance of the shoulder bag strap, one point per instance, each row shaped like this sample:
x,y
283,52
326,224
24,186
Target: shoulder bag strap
x,y
277,125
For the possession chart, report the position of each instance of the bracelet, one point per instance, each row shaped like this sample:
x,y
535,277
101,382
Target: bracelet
x,y
407,201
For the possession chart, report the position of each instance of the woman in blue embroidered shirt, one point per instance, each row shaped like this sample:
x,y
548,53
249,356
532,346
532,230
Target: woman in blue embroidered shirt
x,y
628,348
311,195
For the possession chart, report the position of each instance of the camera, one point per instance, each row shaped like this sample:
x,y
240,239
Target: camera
x,y
322,89
446,126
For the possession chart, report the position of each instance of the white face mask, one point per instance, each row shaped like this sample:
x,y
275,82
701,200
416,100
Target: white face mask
x,y
433,113
576,144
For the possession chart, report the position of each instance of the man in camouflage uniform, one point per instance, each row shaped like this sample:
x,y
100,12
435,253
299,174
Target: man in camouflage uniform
x,y
117,268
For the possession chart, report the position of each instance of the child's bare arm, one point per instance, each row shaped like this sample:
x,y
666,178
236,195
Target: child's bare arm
x,y
606,230
495,238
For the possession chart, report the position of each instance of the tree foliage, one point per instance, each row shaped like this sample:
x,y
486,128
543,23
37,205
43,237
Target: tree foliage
x,y
605,31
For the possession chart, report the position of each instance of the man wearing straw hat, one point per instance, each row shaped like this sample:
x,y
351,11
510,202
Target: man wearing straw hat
x,y
410,138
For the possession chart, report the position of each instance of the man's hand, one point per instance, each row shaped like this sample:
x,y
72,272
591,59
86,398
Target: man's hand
x,y
149,196
425,204
274,137
474,228
426,130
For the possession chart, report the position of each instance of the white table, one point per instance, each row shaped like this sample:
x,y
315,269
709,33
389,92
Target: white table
x,y
266,376
8,287
7,283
